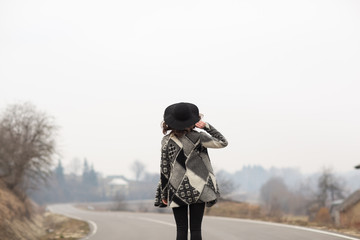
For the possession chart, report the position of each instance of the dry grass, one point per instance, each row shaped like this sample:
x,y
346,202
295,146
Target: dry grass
x,y
296,220
61,227
16,218
10,205
236,210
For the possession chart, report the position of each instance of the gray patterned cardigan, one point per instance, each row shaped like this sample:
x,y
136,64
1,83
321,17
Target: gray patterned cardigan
x,y
186,173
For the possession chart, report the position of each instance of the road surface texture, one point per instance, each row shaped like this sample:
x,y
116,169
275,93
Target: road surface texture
x,y
153,226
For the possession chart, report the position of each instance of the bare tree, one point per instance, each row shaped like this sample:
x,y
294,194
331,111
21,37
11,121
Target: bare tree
x,y
330,188
275,195
226,184
27,147
119,202
139,169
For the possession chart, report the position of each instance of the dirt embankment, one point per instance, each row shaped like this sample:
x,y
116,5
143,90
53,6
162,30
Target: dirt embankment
x,y
23,220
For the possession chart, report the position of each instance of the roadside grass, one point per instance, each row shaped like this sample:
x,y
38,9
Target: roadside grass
x,y
61,227
235,210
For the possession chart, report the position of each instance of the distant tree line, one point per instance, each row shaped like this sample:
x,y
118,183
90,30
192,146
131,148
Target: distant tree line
x,y
284,191
310,198
63,187
90,186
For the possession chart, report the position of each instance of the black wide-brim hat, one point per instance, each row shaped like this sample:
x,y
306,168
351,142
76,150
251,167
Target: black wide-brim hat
x,y
180,116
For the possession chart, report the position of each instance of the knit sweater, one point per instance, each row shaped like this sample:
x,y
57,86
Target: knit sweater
x,y
187,176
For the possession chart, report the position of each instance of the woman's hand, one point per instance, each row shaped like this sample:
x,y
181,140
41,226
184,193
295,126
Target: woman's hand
x,y
164,201
200,124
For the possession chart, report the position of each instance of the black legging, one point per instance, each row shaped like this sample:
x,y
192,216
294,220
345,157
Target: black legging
x,y
181,219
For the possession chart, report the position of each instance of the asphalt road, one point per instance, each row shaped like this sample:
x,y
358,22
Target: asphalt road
x,y
153,226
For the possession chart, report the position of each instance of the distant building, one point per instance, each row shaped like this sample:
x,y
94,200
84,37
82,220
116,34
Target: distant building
x,y
347,214
117,186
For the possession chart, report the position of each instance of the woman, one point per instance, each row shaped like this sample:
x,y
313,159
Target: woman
x,y
187,179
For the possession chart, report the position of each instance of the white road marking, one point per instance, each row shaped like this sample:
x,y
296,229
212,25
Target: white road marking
x,y
94,229
156,221
285,226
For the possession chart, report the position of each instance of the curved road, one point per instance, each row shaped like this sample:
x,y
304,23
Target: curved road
x,y
136,226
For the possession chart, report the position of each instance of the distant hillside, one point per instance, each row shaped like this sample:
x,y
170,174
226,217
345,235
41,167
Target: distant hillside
x,y
17,222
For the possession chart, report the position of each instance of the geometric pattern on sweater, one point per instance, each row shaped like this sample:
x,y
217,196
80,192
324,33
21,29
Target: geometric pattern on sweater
x,y
186,192
211,184
172,151
187,176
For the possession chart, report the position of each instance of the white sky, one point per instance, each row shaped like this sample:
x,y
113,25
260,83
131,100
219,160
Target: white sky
x,y
280,79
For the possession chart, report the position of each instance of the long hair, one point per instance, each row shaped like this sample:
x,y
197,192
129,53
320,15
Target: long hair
x,y
177,133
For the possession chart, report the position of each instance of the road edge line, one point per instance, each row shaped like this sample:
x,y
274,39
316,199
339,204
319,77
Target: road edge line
x,y
155,221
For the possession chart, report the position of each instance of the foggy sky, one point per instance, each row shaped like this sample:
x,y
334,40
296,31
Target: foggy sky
x,y
280,79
